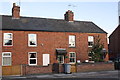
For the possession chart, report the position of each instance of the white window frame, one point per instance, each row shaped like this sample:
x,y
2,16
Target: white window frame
x,y
32,58
90,40
6,56
72,57
35,40
7,39
74,41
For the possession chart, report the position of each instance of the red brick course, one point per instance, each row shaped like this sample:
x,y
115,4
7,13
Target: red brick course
x,y
27,70
47,42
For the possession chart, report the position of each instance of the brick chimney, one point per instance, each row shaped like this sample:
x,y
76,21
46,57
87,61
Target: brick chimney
x,y
15,11
69,16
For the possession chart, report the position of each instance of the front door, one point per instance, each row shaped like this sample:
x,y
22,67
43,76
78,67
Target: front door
x,y
60,59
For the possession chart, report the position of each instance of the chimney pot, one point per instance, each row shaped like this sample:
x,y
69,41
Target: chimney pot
x,y
14,4
69,16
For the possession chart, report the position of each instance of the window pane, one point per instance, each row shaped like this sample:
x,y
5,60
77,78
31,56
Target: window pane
x,y
7,36
60,58
6,61
32,61
6,54
90,38
33,55
8,42
90,43
72,59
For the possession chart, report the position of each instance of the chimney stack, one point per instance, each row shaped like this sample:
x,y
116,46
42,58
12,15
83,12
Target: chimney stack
x,y
69,16
15,11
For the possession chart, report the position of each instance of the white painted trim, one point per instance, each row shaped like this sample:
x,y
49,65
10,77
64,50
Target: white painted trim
x,y
74,41
4,39
91,41
69,58
7,56
34,58
29,41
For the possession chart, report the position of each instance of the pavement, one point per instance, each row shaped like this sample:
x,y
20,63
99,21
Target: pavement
x,y
107,75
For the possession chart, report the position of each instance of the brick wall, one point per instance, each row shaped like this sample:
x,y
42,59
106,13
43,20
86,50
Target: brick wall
x,y
47,42
114,41
85,67
0,54
27,70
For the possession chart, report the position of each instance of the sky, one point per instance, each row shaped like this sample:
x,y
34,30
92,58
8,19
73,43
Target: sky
x,y
103,13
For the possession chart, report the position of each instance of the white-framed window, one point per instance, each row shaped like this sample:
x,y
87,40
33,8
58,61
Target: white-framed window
x,y
32,58
8,39
72,57
6,59
60,59
90,41
32,40
71,40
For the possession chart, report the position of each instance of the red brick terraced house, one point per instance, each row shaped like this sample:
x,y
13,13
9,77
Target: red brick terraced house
x,y
114,44
41,41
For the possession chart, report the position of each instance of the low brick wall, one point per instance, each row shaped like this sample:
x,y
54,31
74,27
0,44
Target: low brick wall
x,y
102,66
26,69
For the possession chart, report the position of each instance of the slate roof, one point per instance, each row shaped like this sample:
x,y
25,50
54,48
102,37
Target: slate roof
x,y
45,24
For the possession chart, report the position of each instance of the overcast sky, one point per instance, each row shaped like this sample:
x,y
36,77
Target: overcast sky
x,y
103,13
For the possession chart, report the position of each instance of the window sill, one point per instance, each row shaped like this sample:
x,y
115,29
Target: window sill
x,y
72,47
32,64
90,46
6,65
32,46
7,46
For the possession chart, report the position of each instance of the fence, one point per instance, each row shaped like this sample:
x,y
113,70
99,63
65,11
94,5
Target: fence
x,y
11,70
54,68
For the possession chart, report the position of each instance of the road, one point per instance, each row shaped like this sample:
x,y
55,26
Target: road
x,y
102,75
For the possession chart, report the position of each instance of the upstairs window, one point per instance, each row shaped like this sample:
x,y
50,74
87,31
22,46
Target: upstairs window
x,y
6,58
8,39
72,57
32,40
90,41
71,41
32,58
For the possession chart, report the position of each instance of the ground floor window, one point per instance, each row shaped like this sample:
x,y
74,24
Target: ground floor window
x,y
60,59
32,58
72,57
6,58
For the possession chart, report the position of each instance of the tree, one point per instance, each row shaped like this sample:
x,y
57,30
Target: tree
x,y
96,51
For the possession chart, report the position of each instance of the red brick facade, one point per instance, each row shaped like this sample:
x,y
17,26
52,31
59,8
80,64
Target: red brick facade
x,y
0,54
47,42
114,46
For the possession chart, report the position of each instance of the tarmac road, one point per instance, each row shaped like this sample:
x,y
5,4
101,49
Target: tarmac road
x,y
102,75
